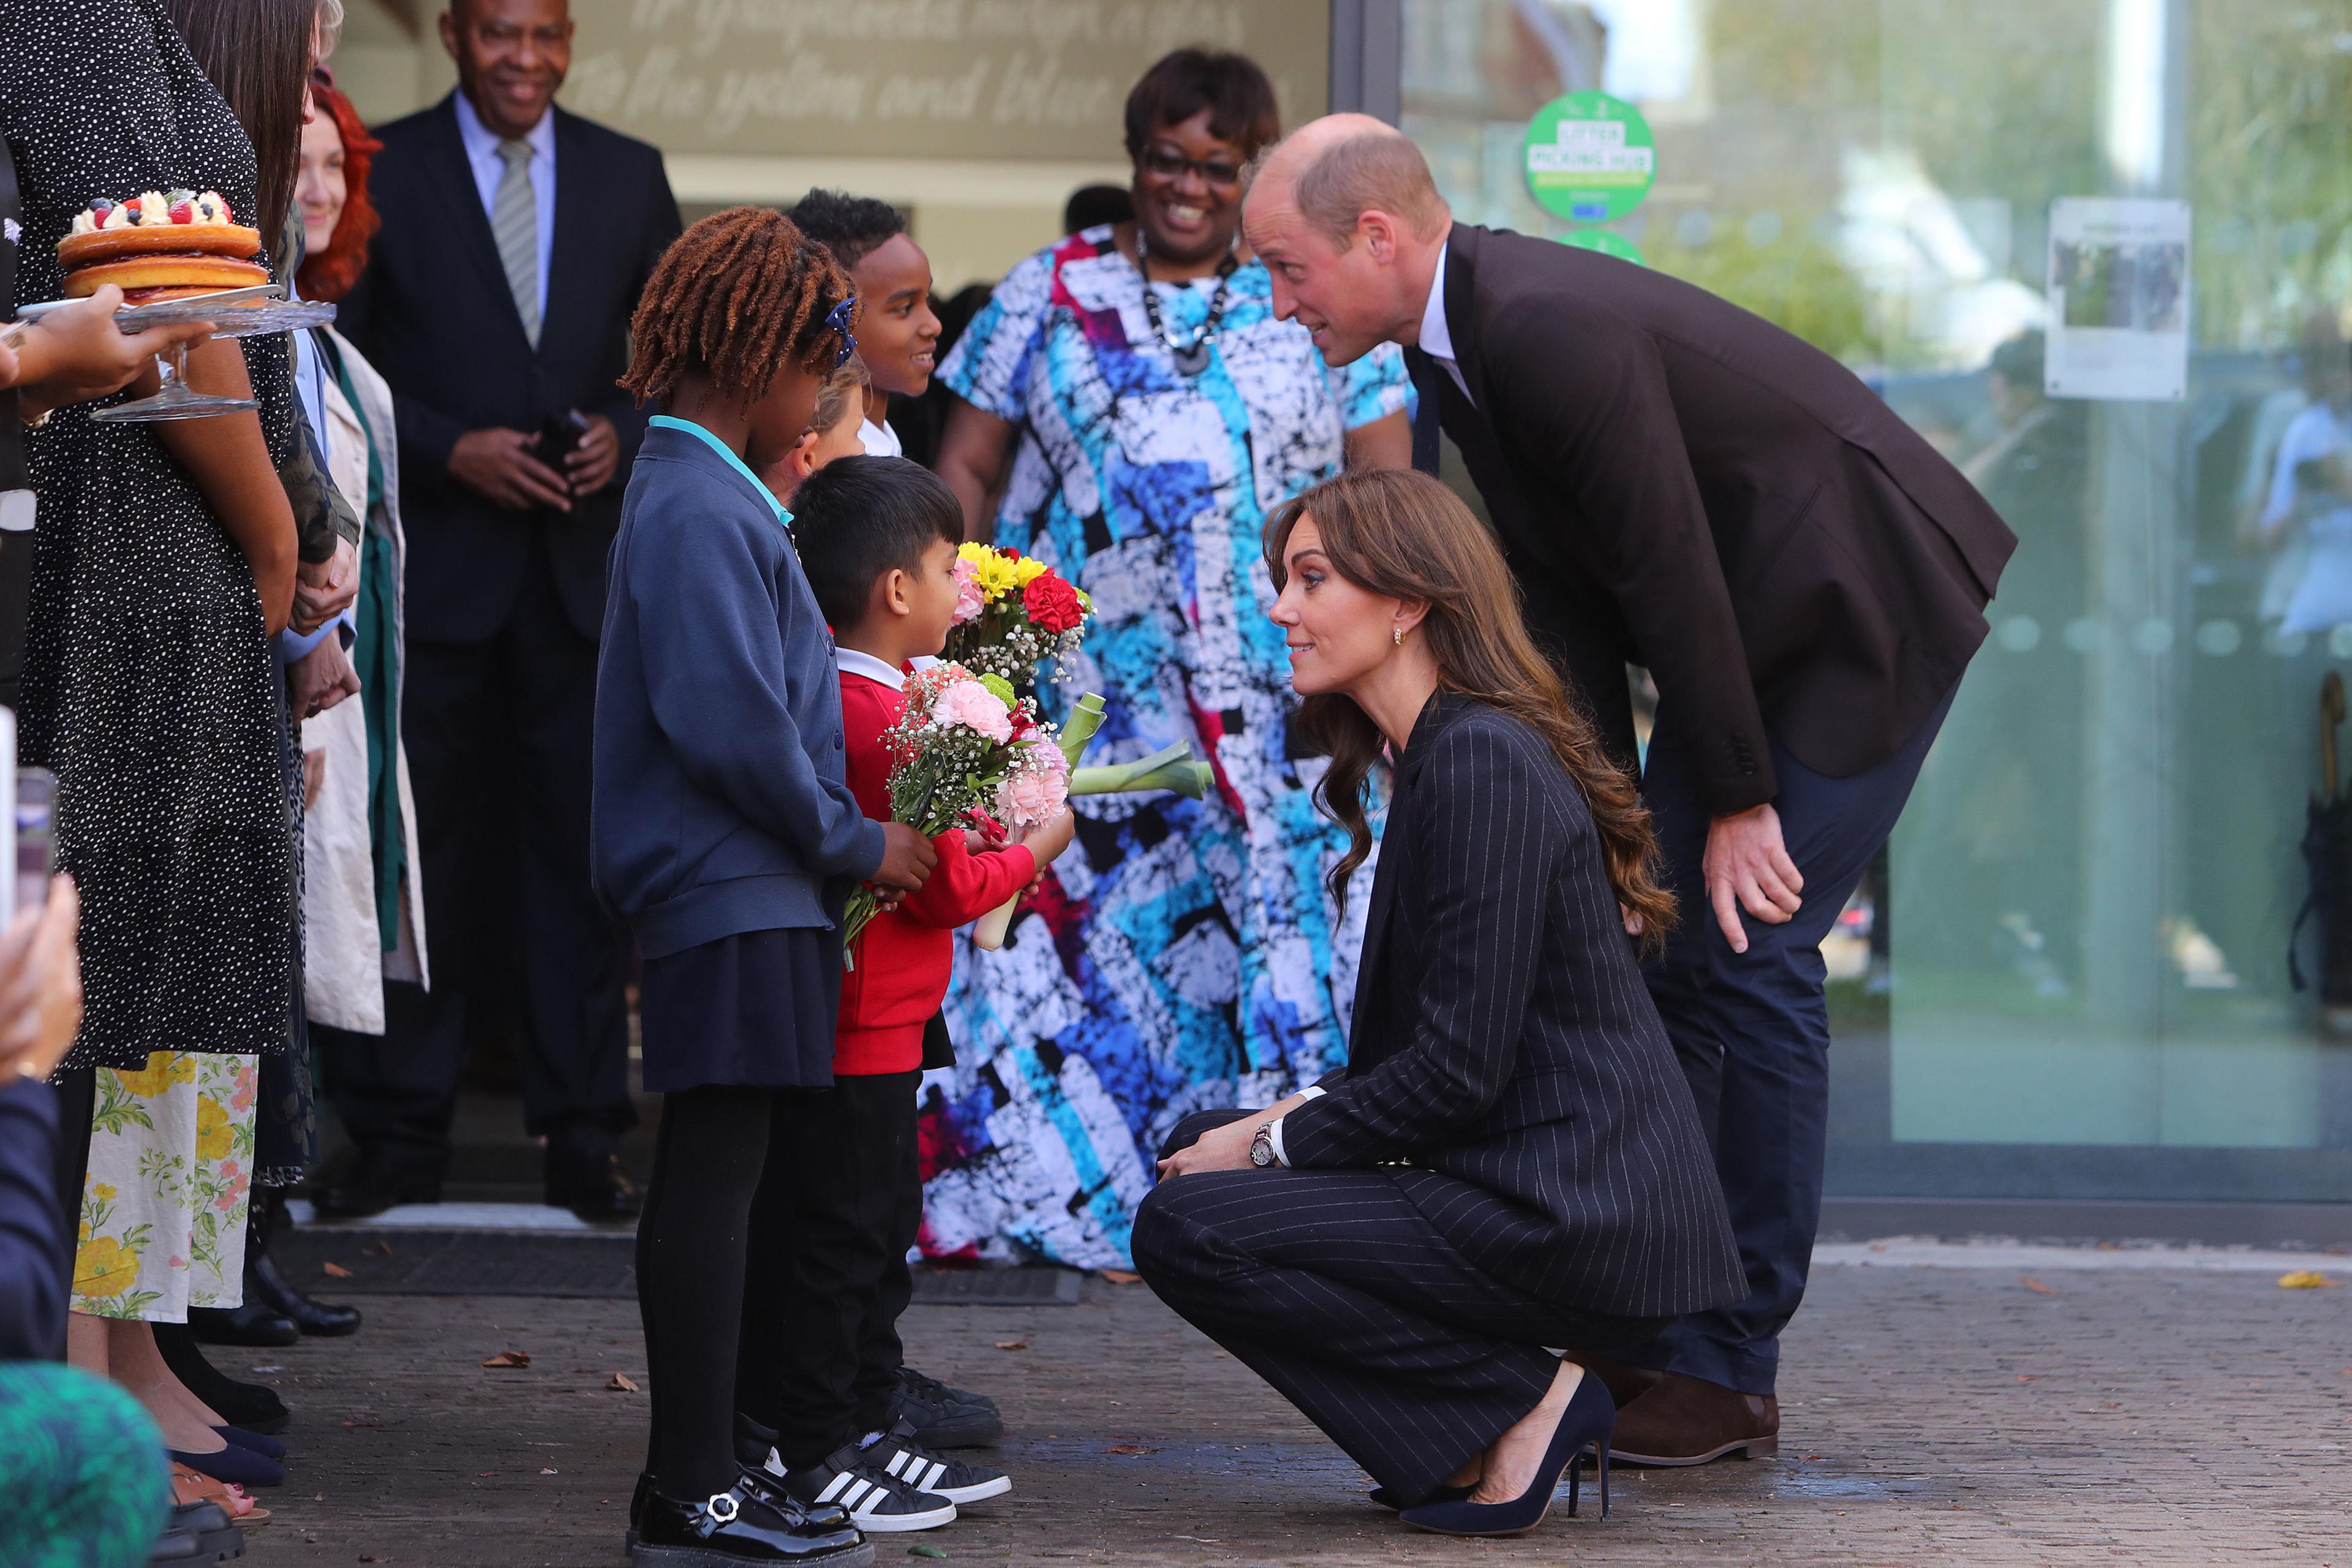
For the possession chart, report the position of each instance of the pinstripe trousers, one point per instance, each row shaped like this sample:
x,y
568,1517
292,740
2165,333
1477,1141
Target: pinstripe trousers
x,y
1335,1287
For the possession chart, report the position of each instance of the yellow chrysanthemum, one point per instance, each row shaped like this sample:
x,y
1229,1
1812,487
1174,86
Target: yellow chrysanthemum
x,y
1026,571
164,1069
104,1268
213,1134
996,576
971,550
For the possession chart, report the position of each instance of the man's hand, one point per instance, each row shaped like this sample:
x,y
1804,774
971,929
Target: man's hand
x,y
325,589
40,984
1222,1148
320,679
498,464
1747,865
906,861
592,463
76,353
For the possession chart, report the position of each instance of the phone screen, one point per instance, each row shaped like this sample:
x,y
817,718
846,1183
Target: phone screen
x,y
36,793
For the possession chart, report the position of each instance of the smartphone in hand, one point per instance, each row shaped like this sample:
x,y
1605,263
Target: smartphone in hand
x,y
559,436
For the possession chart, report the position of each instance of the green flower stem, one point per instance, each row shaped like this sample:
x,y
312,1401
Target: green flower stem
x,y
1083,721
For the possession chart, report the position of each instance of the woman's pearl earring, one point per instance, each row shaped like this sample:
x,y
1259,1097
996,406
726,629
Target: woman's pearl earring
x,y
1397,633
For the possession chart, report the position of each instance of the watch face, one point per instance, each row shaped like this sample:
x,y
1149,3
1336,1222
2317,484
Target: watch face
x,y
1262,1148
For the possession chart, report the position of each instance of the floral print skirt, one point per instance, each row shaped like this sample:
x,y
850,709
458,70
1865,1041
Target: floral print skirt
x,y
171,1175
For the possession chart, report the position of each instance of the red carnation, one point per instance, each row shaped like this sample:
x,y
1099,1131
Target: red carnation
x,y
1053,604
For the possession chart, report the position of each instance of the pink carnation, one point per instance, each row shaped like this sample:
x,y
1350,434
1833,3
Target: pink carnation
x,y
973,706
969,602
1033,792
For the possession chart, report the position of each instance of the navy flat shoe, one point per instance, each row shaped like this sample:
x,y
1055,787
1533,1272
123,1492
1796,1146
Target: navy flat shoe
x,y
1585,1425
268,1447
1383,1497
243,1466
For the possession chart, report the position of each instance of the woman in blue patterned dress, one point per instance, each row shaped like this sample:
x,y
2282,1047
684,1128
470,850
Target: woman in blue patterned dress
x,y
1130,394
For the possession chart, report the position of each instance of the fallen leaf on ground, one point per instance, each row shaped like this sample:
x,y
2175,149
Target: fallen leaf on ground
x,y
1129,1448
1121,1277
376,1249
363,1423
1012,1345
622,1383
337,1271
2030,1283
509,1358
2305,1279
2022,1377
925,1552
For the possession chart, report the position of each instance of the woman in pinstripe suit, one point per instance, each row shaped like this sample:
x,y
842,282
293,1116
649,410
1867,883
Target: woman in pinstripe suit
x,y
1510,1159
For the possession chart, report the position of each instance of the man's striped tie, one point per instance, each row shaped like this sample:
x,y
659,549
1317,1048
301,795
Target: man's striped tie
x,y
514,224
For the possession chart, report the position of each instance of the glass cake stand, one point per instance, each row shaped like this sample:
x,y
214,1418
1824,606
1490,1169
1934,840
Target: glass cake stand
x,y
233,312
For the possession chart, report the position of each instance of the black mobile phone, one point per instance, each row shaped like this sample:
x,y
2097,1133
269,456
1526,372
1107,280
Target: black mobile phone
x,y
559,436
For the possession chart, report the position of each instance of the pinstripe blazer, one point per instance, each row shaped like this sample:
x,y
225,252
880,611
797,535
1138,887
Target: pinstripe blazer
x,y
1504,1046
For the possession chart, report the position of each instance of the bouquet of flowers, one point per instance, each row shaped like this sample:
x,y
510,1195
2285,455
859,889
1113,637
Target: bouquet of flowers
x,y
964,753
1170,768
1013,612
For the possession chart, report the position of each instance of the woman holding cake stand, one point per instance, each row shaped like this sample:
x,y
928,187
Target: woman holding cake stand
x,y
164,560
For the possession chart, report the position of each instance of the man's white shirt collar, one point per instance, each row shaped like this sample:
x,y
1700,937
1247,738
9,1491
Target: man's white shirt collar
x,y
852,662
1436,338
482,142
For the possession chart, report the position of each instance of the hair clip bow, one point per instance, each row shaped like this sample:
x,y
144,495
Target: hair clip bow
x,y
837,318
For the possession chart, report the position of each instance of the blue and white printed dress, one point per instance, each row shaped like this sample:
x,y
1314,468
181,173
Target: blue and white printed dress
x,y
1183,955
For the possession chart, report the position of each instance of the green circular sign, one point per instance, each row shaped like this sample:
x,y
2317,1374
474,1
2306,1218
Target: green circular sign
x,y
1606,243
1590,157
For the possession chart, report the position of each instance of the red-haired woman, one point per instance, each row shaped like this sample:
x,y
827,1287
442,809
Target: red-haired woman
x,y
362,910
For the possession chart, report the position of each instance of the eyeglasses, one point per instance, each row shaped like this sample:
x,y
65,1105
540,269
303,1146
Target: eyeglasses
x,y
1167,163
838,318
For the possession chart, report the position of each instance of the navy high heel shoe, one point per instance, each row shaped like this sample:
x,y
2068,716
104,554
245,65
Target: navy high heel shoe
x,y
1383,1497
267,1446
232,1463
1585,1425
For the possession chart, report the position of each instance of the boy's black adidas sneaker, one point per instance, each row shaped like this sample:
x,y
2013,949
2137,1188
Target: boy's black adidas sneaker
x,y
900,1453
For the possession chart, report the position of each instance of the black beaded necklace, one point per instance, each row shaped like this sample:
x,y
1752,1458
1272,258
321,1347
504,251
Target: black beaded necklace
x,y
1190,358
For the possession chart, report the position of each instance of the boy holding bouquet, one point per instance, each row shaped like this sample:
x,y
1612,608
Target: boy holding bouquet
x,y
820,1368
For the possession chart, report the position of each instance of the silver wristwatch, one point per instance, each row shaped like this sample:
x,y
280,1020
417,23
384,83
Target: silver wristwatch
x,y
1262,1154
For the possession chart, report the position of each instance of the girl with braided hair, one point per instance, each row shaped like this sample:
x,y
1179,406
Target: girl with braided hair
x,y
723,830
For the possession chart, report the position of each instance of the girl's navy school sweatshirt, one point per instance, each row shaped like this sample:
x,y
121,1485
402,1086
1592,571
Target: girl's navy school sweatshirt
x,y
721,798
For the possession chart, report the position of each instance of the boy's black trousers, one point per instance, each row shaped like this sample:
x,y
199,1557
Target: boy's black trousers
x,y
826,1277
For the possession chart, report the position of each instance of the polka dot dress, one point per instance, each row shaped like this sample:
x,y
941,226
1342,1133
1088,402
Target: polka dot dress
x,y
148,683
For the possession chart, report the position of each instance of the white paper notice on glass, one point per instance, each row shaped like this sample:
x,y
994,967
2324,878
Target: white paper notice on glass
x,y
2118,299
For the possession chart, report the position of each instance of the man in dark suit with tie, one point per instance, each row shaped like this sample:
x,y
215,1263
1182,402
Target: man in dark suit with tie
x,y
1681,485
496,300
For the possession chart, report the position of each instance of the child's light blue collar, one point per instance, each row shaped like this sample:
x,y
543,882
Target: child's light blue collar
x,y
669,422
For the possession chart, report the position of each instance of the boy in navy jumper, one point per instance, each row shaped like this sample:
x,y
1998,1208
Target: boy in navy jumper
x,y
723,829
877,537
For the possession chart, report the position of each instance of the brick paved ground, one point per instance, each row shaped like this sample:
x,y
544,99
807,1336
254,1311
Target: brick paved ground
x,y
1933,1416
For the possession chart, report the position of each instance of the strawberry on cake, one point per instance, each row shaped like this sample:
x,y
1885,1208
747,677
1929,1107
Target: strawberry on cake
x,y
160,245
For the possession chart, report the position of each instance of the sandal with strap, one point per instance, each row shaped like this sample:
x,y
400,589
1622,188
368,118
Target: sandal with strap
x,y
192,1486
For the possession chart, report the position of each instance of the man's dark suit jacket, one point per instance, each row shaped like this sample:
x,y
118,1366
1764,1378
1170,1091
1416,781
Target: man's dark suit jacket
x,y
1680,484
433,313
1504,1044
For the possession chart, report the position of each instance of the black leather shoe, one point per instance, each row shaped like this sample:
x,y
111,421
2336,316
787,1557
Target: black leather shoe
x,y
376,1180
737,1526
944,1417
251,1324
266,1285
248,1405
593,1187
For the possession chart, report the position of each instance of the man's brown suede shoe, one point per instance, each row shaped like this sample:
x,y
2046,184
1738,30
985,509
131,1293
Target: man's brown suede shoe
x,y
1624,1380
1689,1421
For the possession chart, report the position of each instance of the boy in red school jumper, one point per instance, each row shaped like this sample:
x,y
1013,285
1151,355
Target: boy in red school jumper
x,y
876,537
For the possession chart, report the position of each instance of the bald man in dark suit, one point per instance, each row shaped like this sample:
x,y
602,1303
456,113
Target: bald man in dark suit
x,y
1681,485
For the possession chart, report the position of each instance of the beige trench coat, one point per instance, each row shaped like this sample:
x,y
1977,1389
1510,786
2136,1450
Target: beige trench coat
x,y
346,964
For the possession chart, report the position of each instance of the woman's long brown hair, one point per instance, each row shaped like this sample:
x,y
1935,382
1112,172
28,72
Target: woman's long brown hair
x,y
1403,535
257,53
